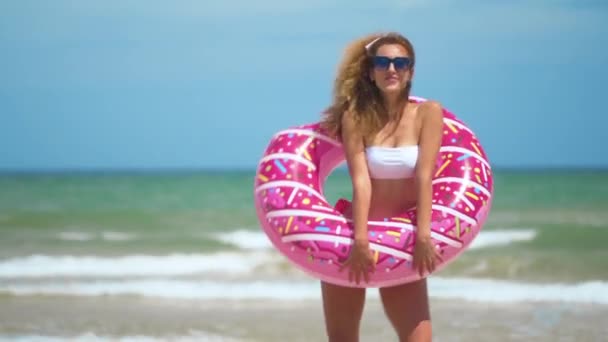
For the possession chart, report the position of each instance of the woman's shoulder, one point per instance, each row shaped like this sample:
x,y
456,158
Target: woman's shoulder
x,y
430,106
429,111
349,123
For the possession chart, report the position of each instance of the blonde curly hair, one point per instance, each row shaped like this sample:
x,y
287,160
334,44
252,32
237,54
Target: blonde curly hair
x,y
355,92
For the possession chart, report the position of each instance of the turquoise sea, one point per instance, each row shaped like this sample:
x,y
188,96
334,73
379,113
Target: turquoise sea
x,y
193,235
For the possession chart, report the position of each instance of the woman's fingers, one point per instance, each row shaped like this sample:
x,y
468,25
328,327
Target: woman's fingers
x,y
366,274
372,265
438,256
359,268
424,266
435,260
344,264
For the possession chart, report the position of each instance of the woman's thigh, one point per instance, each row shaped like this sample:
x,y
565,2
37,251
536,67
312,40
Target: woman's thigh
x,y
343,308
407,307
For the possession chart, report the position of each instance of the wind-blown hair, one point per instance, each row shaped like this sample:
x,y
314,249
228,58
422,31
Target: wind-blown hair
x,y
355,92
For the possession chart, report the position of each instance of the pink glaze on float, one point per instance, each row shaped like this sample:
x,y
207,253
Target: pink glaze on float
x,y
316,236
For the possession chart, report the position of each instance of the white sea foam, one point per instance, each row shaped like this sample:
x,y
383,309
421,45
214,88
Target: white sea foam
x,y
245,239
76,236
481,290
133,265
147,275
493,290
88,236
256,251
491,238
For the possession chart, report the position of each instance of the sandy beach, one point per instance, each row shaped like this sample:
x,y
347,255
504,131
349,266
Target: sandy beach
x,y
122,318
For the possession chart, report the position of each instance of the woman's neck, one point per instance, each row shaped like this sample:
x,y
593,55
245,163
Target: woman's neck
x,y
392,105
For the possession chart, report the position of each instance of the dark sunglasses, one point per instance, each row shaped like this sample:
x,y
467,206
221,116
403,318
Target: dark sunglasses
x,y
383,62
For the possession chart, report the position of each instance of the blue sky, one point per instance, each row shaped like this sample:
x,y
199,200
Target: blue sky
x,y
204,84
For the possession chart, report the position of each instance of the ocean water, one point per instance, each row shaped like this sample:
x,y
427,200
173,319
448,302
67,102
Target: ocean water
x,y
194,236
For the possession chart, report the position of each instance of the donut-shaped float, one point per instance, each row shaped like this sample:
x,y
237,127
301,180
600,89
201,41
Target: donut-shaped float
x,y
316,237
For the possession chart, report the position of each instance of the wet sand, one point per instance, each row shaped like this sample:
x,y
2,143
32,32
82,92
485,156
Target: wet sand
x,y
115,317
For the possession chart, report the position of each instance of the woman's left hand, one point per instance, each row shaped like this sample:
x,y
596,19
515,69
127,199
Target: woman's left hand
x,y
426,255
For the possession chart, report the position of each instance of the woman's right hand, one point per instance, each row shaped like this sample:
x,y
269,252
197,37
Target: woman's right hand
x,y
360,261
426,256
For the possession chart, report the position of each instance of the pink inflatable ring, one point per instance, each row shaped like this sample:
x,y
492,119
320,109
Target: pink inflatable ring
x,y
316,237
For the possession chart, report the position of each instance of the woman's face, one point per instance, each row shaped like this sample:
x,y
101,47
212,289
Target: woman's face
x,y
391,68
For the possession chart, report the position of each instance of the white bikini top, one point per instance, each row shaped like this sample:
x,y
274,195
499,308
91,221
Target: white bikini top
x,y
391,162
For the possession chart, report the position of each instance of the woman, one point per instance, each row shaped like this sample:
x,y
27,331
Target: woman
x,y
391,145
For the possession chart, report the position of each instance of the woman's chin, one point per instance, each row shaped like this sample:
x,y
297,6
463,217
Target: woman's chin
x,y
392,89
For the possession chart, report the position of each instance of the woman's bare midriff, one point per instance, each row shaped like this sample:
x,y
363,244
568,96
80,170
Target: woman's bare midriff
x,y
391,197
